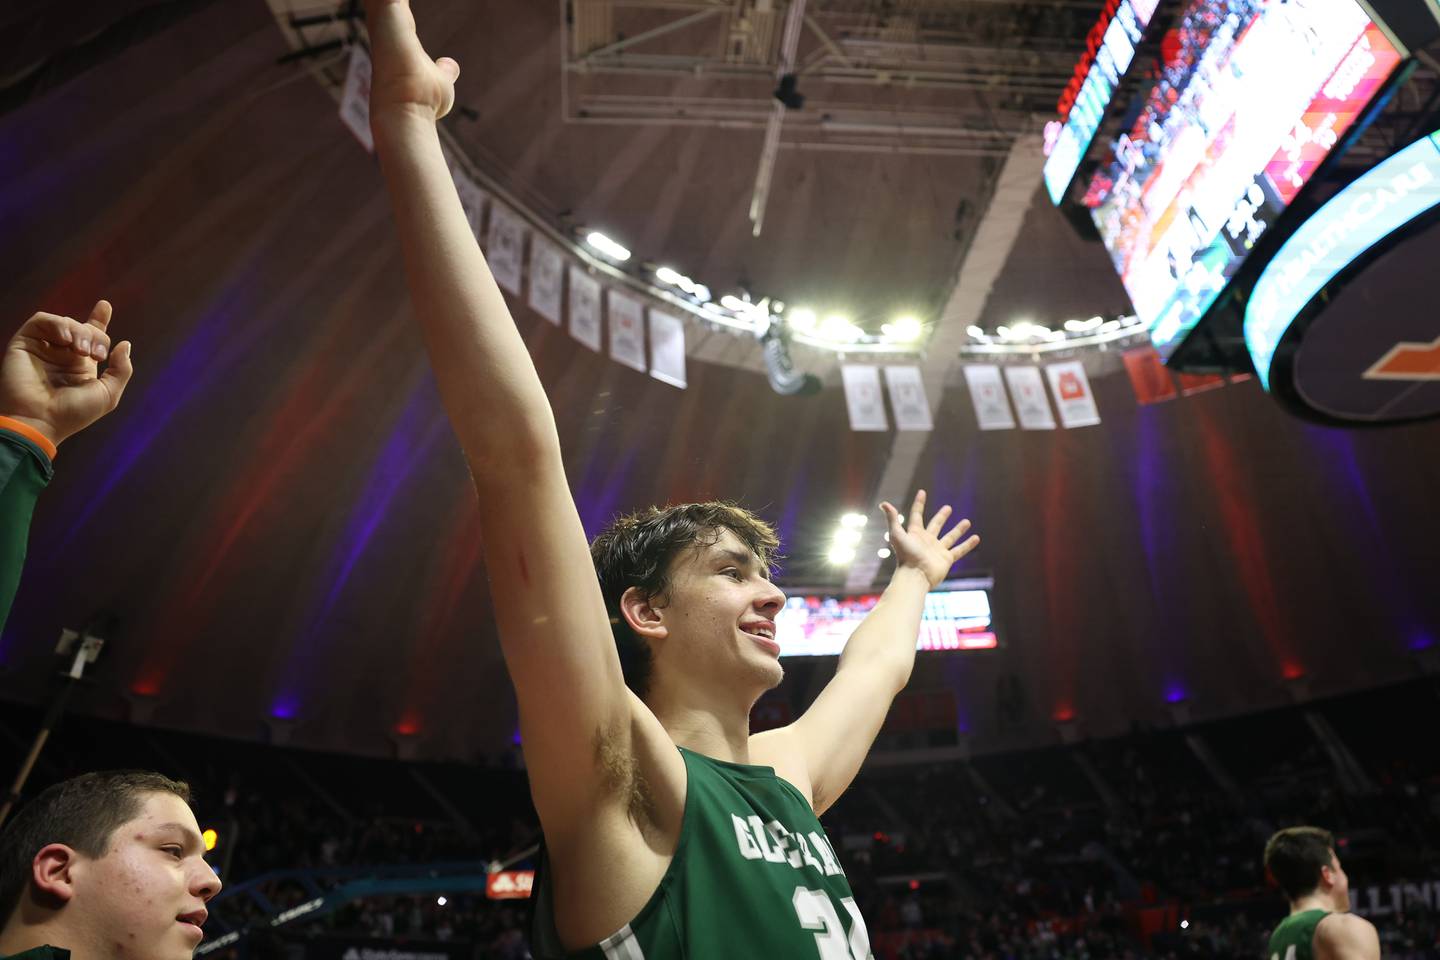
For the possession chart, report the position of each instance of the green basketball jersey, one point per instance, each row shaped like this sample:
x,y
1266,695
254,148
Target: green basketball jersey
x,y
754,876
1294,938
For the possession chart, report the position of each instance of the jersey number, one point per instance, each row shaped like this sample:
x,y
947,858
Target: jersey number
x,y
1289,953
816,912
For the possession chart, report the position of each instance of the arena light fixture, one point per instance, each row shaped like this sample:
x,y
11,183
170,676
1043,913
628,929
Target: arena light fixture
x,y
840,555
701,293
975,332
883,553
847,536
903,329
608,247
441,901
803,319
1081,326
854,520
838,327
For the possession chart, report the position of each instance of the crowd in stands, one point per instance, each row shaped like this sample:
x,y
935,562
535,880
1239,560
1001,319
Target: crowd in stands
x,y
1142,846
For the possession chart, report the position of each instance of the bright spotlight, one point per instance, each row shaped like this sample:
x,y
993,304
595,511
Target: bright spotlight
x,y
848,536
735,304
854,520
840,554
607,246
701,293
1184,924
666,275
441,901
802,319
903,329
1080,326
838,327
1109,326
883,553
975,331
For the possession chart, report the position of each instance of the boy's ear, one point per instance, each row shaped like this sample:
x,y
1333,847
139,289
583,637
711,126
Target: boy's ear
x,y
642,615
52,871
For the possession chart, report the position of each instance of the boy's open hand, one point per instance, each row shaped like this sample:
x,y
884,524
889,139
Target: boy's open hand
x,y
403,77
921,545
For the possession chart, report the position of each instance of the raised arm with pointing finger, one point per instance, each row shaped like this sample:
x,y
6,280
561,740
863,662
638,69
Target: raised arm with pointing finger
x,y
50,388
671,831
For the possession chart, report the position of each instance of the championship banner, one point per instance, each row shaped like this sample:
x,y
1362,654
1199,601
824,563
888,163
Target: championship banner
x,y
907,398
627,334
992,410
509,884
584,307
1027,390
862,397
667,348
1073,397
547,271
1148,376
1193,383
355,100
506,247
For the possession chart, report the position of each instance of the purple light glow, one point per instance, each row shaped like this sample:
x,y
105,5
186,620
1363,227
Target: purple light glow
x,y
415,433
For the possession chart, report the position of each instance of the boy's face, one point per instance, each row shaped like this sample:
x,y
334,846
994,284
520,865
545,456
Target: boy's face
x,y
145,898
721,615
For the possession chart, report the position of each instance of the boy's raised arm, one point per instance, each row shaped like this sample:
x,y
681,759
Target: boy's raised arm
x,y
553,625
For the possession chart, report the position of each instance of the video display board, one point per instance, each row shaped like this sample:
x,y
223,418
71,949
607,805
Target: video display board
x,y
1102,72
957,617
1257,95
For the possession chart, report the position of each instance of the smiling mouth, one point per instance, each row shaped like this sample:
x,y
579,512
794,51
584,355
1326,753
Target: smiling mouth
x,y
764,635
199,932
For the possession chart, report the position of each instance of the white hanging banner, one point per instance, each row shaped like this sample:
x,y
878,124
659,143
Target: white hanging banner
x,y
547,271
1027,390
355,100
667,348
1073,397
505,250
627,330
472,200
907,398
862,397
987,392
584,307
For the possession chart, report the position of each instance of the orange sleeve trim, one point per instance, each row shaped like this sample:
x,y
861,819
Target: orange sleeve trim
x,y
29,433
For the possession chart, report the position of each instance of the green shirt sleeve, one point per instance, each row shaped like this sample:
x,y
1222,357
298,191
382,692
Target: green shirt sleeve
x,y
25,470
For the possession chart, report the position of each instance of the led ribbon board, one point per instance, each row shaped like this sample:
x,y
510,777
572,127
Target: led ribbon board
x,y
1396,191
1255,98
1117,49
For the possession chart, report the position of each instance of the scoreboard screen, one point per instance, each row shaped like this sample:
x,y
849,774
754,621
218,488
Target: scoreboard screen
x,y
1253,98
957,617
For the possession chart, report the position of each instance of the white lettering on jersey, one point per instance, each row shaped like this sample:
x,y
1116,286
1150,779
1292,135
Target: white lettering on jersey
x,y
782,838
762,838
748,849
806,854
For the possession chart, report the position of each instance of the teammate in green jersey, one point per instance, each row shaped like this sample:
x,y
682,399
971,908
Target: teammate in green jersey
x,y
51,387
671,831
1303,862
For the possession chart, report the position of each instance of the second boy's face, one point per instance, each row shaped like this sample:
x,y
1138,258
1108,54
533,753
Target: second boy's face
x,y
721,615
145,898
1339,883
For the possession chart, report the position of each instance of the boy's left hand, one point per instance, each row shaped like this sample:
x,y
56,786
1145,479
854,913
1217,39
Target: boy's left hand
x,y
921,545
